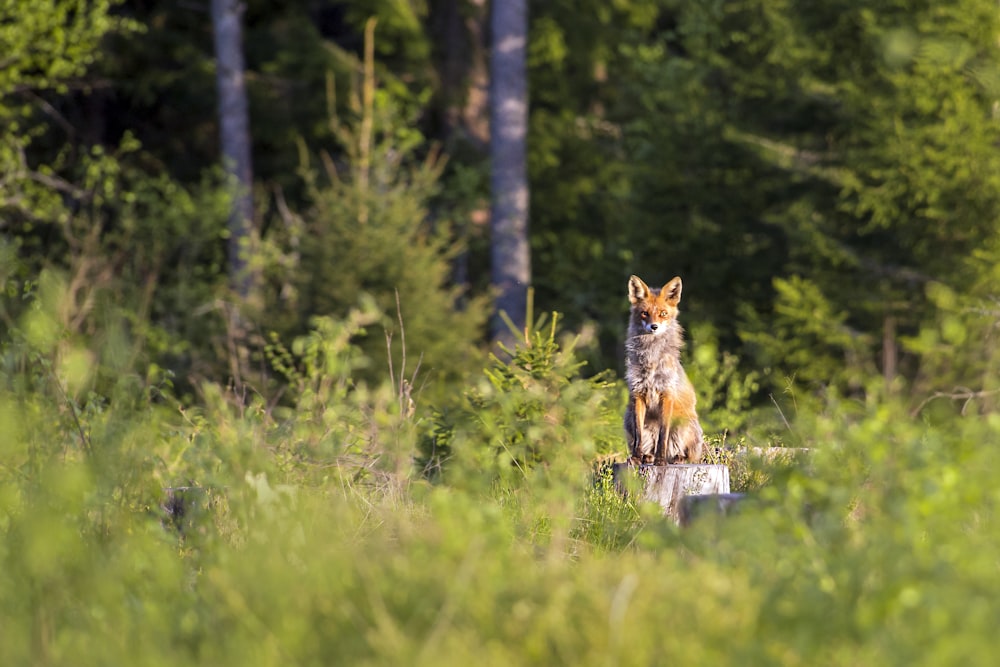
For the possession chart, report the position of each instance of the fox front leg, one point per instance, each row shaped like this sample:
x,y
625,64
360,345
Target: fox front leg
x,y
662,455
659,452
638,425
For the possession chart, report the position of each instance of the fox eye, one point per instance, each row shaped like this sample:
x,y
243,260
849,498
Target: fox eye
x,y
663,313
645,314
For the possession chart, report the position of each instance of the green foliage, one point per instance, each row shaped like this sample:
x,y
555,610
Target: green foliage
x,y
368,231
957,349
790,162
337,425
610,520
811,167
124,249
229,532
528,420
131,249
53,43
827,352
751,469
724,391
49,48
824,178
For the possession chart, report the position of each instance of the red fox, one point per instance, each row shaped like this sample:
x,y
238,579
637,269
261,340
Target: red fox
x,y
661,423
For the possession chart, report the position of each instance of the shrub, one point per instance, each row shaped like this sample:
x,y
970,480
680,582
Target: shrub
x,y
531,416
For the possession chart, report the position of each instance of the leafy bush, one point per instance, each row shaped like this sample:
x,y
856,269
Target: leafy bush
x,y
530,417
723,388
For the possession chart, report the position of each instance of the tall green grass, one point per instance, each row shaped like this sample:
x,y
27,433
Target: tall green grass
x,y
135,530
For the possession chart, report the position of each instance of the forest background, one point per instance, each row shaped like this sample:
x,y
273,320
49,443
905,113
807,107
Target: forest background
x,y
331,463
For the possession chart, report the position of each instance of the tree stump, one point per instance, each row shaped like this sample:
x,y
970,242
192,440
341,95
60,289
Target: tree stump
x,y
668,485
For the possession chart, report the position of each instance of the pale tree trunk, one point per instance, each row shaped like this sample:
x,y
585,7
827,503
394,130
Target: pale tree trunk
x,y
234,130
509,251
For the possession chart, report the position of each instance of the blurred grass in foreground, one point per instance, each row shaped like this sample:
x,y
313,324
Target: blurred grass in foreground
x,y
311,535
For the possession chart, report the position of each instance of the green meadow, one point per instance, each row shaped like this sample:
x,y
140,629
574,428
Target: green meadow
x,y
342,527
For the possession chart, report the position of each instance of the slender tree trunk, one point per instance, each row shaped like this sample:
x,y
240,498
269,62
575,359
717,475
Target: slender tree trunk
x,y
510,254
234,129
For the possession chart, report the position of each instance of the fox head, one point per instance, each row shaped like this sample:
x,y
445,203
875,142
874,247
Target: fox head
x,y
653,310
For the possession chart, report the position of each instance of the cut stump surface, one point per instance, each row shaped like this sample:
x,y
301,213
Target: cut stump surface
x,y
668,485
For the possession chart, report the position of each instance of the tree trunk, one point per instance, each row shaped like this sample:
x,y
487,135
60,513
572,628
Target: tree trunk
x,y
234,130
509,251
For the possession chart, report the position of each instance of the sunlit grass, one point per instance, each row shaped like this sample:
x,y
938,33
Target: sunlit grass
x,y
144,532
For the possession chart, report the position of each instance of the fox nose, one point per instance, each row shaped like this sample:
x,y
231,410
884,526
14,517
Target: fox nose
x,y
654,326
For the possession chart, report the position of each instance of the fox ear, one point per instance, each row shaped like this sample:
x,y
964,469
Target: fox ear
x,y
637,290
672,291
